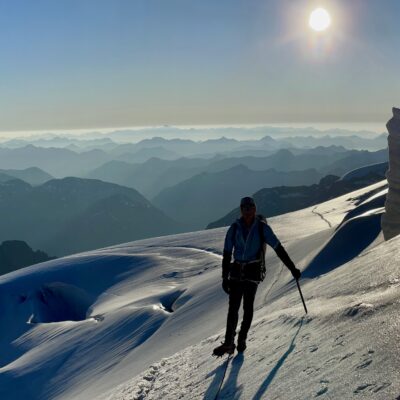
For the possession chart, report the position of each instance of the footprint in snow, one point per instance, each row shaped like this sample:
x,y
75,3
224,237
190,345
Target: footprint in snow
x,y
311,370
339,341
366,361
364,364
360,309
324,388
372,387
313,348
346,356
332,360
361,388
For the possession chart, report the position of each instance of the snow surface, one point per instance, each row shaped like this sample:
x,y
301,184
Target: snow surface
x,y
379,168
139,320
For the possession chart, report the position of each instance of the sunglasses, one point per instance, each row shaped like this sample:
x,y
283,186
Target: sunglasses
x,y
248,207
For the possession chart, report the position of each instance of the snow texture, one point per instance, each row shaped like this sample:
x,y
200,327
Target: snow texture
x,y
140,320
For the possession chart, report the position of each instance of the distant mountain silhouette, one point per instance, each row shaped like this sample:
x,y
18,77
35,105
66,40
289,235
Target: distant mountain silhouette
x,y
5,178
186,147
354,160
33,175
78,143
16,254
112,220
71,214
334,137
210,194
309,138
63,156
154,175
56,161
151,176
283,199
285,160
351,142
144,154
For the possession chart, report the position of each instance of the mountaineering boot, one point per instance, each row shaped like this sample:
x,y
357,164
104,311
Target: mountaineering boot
x,y
241,346
225,348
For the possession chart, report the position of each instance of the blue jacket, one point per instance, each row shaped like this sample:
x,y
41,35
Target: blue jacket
x,y
244,248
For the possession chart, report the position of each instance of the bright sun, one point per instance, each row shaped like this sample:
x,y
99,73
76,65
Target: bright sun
x,y
319,19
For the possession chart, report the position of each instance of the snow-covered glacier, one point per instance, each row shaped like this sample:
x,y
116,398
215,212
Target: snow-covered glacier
x,y
139,320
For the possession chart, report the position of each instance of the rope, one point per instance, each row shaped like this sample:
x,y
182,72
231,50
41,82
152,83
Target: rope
x,y
223,378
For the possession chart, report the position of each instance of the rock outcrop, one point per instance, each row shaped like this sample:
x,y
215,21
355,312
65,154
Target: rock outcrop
x,y
391,217
15,254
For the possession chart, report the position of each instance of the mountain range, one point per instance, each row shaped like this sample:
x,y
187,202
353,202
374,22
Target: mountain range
x,y
154,175
32,175
283,199
66,215
62,155
204,197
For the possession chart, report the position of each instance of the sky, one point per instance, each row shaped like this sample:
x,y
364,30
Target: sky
x,y
79,64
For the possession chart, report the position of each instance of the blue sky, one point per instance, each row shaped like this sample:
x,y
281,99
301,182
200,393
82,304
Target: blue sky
x,y
93,63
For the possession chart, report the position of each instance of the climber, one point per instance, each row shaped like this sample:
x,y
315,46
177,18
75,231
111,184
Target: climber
x,y
247,236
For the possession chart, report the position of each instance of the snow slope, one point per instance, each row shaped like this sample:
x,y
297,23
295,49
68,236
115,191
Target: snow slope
x,y
140,320
379,169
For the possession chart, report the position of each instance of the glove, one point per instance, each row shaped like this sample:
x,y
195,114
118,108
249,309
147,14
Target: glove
x,y
225,286
296,273
226,264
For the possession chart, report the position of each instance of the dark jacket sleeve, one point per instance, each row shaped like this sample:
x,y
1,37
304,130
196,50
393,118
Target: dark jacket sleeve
x,y
226,261
284,256
227,253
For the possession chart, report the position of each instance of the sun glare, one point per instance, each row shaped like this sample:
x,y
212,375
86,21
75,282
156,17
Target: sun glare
x,y
320,20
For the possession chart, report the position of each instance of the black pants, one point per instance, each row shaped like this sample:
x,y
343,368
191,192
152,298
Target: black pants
x,y
239,289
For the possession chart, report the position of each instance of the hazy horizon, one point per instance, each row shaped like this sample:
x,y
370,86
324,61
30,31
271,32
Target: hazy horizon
x,y
204,132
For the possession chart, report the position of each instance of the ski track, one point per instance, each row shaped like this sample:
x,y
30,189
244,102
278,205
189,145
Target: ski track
x,y
321,216
198,249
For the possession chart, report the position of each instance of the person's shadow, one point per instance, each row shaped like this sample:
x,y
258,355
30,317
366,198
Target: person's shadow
x,y
270,377
230,388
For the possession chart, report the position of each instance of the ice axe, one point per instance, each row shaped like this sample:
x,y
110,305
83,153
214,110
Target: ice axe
x,y
301,295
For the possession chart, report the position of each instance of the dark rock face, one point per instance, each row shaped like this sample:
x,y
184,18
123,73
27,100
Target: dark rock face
x,y
15,254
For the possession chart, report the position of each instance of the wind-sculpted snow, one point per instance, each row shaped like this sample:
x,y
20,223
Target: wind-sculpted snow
x,y
342,247
59,302
139,320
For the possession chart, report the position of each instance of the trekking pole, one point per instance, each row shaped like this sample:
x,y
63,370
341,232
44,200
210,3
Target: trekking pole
x,y
301,295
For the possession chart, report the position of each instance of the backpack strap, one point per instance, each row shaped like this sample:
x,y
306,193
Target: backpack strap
x,y
234,227
263,248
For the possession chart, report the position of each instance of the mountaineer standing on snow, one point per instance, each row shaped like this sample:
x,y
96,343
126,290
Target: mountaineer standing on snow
x,y
247,236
